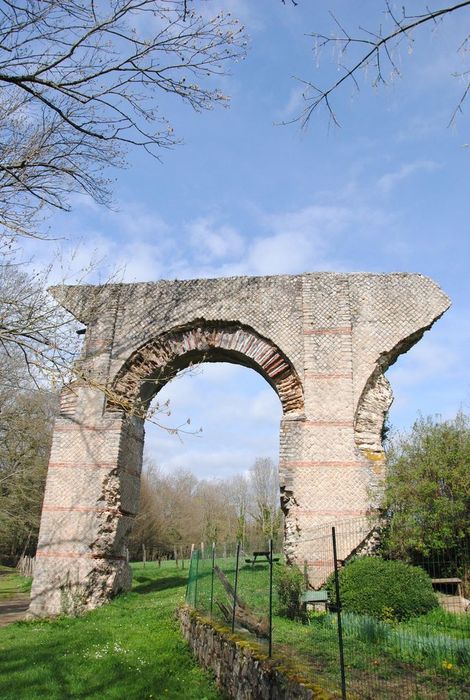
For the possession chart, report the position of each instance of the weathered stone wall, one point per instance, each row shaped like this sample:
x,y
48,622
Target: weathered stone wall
x,y
322,341
241,671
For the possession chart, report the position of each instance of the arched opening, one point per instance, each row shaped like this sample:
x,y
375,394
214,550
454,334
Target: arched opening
x,y
150,367
234,418
220,485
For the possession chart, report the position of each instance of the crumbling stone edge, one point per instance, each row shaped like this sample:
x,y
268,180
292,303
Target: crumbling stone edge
x,y
242,669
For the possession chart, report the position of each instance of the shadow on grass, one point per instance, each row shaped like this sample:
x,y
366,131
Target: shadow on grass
x,y
130,649
146,584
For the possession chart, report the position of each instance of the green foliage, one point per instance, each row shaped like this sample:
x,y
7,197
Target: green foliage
x,y
366,628
442,621
386,590
426,500
290,584
424,643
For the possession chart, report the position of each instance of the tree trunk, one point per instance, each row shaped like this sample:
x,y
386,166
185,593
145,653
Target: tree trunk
x,y
244,616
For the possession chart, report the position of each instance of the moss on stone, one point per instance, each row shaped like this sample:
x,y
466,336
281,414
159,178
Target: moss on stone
x,y
291,673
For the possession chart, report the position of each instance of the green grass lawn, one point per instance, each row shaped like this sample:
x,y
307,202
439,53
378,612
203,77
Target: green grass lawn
x,y
11,583
130,649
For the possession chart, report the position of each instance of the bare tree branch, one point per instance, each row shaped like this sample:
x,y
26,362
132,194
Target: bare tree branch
x,y
80,83
375,49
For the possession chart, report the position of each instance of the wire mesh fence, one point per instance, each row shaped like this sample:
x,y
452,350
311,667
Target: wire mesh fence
x,y
404,625
366,625
233,585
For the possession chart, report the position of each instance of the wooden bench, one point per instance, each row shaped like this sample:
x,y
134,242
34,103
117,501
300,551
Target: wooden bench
x,y
257,555
315,598
320,596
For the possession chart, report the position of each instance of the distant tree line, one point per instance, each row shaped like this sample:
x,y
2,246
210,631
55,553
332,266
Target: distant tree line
x,y
26,417
178,509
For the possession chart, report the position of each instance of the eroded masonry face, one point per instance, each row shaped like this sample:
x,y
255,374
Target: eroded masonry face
x,y
323,341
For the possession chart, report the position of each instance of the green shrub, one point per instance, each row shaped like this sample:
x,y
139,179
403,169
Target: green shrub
x,y
386,590
290,585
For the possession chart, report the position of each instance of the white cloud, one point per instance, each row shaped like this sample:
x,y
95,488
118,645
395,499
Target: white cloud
x,y
432,378
134,219
212,242
388,181
136,244
235,431
428,359
422,127
285,253
246,12
219,372
265,406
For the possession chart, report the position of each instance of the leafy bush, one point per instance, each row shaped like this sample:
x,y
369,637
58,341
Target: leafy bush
x,y
387,590
290,586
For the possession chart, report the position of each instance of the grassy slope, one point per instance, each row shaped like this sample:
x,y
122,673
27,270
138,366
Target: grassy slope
x,y
128,649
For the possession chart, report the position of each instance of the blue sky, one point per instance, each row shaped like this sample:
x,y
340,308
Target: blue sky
x,y
388,191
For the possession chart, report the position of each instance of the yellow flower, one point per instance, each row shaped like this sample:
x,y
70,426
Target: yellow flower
x,y
447,665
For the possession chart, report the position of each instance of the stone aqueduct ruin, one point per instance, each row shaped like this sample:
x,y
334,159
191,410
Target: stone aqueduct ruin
x,y
322,340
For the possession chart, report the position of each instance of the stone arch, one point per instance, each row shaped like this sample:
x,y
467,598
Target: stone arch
x,y
322,340
156,362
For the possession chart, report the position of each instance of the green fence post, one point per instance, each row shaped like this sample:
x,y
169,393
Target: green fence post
x,y
189,579
235,588
338,614
198,553
212,577
270,598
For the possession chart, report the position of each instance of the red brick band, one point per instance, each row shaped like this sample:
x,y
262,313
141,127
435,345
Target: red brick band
x,y
308,511
327,423
107,466
87,465
78,428
341,330
311,463
319,562
328,375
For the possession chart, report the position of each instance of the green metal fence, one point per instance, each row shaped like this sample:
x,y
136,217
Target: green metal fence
x,y
234,586
372,654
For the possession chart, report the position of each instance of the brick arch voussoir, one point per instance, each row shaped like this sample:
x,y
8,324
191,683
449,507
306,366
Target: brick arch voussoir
x,y
151,366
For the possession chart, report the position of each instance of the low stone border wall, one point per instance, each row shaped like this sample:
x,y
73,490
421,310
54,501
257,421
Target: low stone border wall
x,y
241,670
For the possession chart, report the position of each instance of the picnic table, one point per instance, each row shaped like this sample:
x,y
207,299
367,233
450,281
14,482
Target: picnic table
x,y
257,555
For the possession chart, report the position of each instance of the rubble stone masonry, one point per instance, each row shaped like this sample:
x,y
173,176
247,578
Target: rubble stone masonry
x,y
322,341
